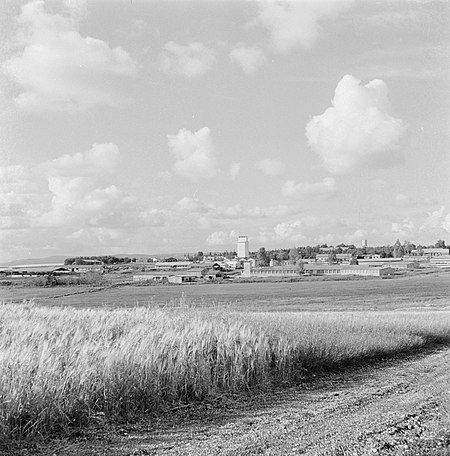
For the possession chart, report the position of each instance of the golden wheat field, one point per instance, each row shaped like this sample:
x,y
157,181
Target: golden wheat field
x,y
63,367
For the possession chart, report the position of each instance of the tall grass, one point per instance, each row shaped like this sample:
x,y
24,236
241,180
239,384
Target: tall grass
x,y
61,367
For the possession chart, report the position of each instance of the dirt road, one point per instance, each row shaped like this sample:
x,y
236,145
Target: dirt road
x,y
398,407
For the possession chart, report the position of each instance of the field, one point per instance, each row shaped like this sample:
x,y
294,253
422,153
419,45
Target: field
x,y
369,294
80,357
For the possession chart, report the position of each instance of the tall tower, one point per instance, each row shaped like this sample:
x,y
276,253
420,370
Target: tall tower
x,y
242,247
364,243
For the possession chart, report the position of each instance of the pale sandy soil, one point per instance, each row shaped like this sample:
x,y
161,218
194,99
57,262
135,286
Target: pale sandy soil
x,y
396,407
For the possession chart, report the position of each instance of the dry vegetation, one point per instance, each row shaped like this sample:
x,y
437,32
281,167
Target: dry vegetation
x,y
61,367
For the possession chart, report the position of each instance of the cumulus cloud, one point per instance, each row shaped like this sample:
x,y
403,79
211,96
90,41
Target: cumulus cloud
x,y
250,59
271,167
59,69
192,60
100,158
404,228
82,192
220,238
325,187
193,152
293,24
358,129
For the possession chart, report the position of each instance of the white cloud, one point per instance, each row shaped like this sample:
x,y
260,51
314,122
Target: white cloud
x,y
357,130
446,223
293,23
58,69
100,158
271,167
250,59
220,238
404,228
235,170
191,61
434,220
193,154
193,205
325,187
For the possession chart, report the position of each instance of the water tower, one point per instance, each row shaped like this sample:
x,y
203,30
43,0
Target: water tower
x,y
242,247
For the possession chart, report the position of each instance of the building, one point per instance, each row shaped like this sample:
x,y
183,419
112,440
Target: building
x,y
364,243
377,262
333,270
274,271
172,264
242,247
435,252
403,265
340,257
440,261
171,277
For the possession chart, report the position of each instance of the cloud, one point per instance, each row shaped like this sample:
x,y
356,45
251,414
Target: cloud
x,y
296,24
234,170
60,70
446,223
100,158
191,61
404,228
194,157
357,130
271,167
250,59
325,187
220,238
193,205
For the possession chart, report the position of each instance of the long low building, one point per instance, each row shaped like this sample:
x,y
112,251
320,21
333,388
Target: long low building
x,y
315,269
442,261
171,277
273,271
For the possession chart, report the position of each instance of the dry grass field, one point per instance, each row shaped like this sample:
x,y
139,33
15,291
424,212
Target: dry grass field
x,y
74,360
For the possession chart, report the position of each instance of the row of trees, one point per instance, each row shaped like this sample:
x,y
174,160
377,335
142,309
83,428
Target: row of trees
x,y
292,255
296,254
105,259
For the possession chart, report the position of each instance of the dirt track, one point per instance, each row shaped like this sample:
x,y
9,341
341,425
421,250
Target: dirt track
x,y
399,407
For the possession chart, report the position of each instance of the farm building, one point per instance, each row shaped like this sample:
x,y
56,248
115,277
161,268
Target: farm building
x,y
340,257
172,264
171,277
315,269
403,265
431,252
274,271
442,261
377,262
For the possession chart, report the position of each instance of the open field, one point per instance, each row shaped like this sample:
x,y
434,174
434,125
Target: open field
x,y
370,294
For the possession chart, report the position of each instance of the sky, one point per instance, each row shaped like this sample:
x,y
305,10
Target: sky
x,y
153,126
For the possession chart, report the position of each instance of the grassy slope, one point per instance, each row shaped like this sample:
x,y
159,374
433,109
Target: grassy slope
x,y
65,367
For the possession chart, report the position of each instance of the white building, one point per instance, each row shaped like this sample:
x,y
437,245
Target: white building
x,y
242,247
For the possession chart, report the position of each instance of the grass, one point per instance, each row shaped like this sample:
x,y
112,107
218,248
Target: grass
x,y
62,367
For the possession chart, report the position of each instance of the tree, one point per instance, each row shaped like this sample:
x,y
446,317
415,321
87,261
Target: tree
x,y
262,258
294,255
440,244
398,249
332,258
299,264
